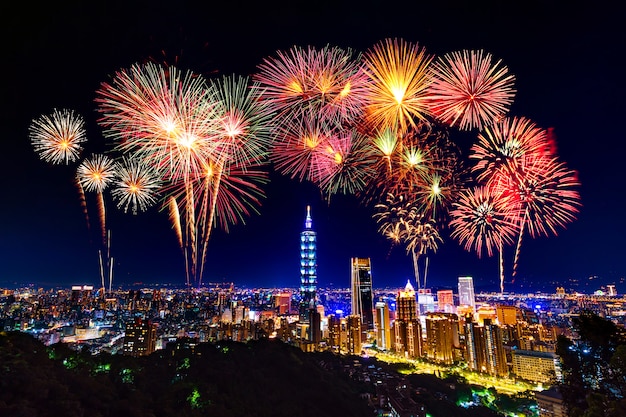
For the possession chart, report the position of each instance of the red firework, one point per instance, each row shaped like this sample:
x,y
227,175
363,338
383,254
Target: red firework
x,y
469,90
504,145
482,220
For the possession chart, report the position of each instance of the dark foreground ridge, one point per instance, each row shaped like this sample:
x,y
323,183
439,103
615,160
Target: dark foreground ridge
x,y
262,378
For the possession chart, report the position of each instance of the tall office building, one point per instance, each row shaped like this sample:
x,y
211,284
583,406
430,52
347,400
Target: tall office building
x,y
308,268
361,291
466,292
406,304
383,326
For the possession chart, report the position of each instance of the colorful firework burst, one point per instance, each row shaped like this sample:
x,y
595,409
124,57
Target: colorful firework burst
x,y
504,145
57,137
398,84
328,82
136,186
469,90
97,173
483,220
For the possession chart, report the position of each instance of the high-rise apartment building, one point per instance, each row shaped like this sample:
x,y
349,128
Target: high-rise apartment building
x,y
361,295
308,268
353,335
139,338
466,292
442,337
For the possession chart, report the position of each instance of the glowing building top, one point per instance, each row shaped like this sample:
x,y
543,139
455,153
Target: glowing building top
x,y
308,268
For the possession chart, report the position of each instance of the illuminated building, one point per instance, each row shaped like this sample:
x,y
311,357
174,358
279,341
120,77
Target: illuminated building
x,y
383,326
308,267
139,338
414,339
466,292
425,301
81,294
484,348
445,301
353,333
361,291
442,337
550,403
334,333
507,315
282,303
494,348
406,304
536,366
610,290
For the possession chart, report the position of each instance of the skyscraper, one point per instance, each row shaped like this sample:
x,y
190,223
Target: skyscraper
x,y
466,292
361,291
406,304
308,267
383,326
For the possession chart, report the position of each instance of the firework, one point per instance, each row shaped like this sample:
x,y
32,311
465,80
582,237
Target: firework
x,y
391,215
297,146
161,116
205,140
97,173
346,165
57,137
482,220
469,90
398,84
328,82
421,236
136,186
503,147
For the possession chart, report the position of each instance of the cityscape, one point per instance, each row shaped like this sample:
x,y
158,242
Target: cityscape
x,y
502,341
337,208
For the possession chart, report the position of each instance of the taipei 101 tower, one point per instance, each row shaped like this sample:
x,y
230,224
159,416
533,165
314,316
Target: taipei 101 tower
x,y
308,268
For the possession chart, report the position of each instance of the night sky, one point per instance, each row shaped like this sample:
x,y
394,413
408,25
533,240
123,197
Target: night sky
x,y
569,76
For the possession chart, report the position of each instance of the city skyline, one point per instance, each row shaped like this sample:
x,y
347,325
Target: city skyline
x,y
557,56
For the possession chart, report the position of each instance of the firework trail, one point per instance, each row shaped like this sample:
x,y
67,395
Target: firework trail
x,y
57,138
421,236
403,223
469,90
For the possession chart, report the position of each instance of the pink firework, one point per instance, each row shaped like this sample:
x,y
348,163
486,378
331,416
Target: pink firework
x,y
297,147
469,90
328,81
483,220
161,116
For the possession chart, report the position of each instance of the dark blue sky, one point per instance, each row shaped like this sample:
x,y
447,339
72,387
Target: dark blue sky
x,y
566,61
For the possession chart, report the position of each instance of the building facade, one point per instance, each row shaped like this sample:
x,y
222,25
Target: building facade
x,y
361,294
308,268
